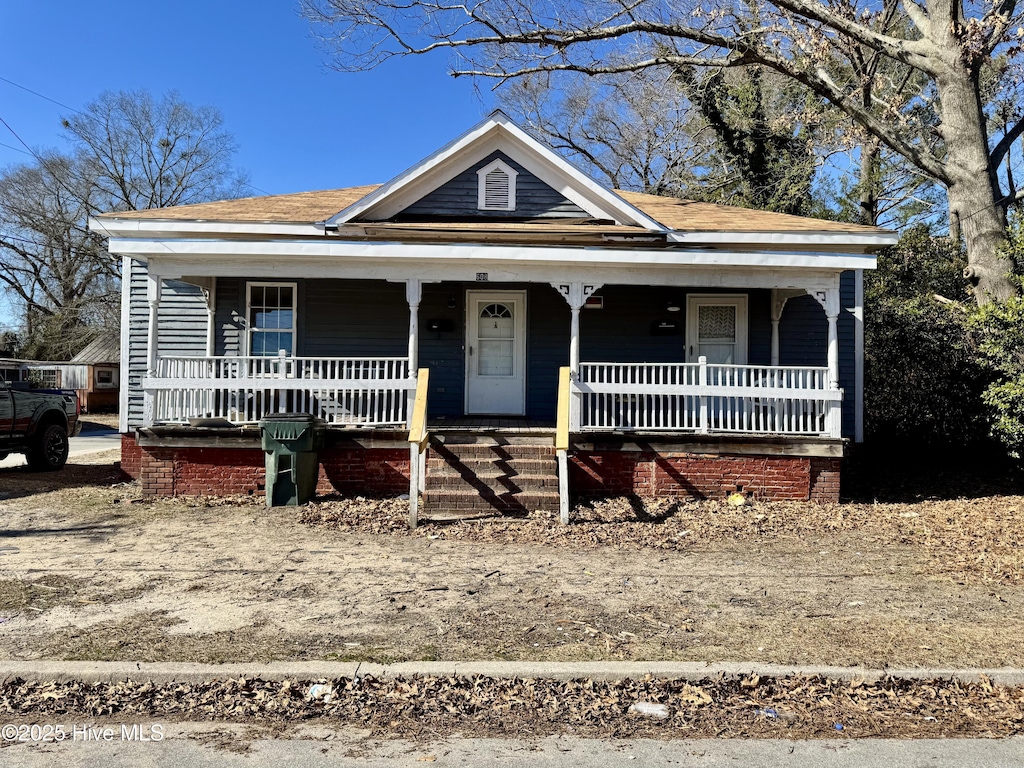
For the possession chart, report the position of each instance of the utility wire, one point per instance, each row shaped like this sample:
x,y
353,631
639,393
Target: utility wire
x,y
65,106
47,98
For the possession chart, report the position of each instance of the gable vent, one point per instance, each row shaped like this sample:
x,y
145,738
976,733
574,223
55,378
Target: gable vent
x,y
496,187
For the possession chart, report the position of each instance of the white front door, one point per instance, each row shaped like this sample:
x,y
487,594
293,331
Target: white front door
x,y
716,328
496,352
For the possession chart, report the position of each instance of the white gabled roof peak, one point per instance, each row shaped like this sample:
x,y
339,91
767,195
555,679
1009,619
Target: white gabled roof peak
x,y
496,132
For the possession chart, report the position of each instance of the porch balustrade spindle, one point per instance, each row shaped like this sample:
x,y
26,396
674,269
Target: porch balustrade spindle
x,y
707,398
344,391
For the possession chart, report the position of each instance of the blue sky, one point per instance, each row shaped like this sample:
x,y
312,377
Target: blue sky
x,y
299,126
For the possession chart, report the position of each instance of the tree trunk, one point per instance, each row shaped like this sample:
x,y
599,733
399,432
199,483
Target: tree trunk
x,y
973,187
869,153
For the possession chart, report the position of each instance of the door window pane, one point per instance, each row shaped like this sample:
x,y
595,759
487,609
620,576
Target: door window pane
x,y
716,333
496,341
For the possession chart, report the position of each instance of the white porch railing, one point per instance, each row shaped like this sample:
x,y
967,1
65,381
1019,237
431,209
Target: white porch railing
x,y
370,391
699,397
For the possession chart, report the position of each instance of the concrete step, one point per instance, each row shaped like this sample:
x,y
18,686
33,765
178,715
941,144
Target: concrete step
x,y
458,501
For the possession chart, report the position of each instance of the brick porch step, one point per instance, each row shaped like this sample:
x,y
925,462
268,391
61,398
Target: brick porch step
x,y
489,475
442,502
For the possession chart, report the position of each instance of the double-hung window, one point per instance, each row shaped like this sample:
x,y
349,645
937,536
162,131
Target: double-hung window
x,y
271,319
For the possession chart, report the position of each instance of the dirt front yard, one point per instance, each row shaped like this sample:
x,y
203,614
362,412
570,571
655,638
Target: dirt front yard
x,y
89,570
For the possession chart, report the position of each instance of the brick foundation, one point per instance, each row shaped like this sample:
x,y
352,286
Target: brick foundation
x,y
385,471
645,473
229,471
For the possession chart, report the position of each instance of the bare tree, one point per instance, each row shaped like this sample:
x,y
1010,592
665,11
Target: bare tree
x,y
632,129
129,152
54,268
143,153
949,43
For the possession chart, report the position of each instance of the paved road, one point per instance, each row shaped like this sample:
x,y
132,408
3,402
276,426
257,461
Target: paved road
x,y
90,441
209,744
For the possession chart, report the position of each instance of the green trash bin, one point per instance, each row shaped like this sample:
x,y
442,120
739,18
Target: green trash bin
x,y
291,444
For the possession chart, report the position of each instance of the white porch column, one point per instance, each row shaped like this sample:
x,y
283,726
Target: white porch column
x,y
413,294
210,295
779,298
829,300
154,288
575,294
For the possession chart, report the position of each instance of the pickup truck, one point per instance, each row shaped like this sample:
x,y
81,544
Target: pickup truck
x,y
38,422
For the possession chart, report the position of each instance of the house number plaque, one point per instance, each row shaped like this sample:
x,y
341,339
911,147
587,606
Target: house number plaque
x,y
481,277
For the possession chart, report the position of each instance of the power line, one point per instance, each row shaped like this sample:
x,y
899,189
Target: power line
x,y
47,98
65,106
16,149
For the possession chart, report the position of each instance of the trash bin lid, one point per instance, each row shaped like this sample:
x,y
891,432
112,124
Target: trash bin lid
x,y
289,426
305,418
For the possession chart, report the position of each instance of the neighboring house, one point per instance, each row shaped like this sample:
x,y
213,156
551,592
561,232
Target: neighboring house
x,y
708,347
12,369
34,373
95,374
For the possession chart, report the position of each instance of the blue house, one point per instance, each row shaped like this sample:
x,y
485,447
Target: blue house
x,y
694,348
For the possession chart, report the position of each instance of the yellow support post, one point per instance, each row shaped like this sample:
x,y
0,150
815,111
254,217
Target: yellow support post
x,y
564,397
418,423
562,441
418,438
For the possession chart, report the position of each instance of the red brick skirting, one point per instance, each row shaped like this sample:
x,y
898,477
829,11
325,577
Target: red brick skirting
x,y
355,470
229,471
777,478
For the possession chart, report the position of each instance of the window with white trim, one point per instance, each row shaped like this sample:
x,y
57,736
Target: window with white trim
x,y
496,187
270,311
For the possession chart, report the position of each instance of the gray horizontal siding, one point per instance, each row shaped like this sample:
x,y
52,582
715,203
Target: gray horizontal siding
x,y
457,198
182,329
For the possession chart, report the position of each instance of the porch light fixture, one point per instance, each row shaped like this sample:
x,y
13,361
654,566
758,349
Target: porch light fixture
x,y
672,306
451,301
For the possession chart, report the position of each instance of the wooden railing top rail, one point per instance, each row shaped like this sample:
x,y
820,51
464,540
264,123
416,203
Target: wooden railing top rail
x,y
584,366
278,357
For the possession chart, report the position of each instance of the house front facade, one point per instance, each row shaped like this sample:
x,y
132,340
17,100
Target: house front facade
x,y
681,348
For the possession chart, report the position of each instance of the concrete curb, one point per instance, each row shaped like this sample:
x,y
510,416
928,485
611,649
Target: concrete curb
x,y
110,671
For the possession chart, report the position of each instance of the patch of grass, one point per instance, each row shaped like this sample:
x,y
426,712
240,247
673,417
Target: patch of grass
x,y
39,596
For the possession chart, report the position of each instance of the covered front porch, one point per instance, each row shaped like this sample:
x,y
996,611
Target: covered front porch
x,y
634,353
622,420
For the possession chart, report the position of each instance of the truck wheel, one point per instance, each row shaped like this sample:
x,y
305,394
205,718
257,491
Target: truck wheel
x,y
49,451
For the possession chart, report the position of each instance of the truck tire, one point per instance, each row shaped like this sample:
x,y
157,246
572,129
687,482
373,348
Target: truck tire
x,y
49,450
